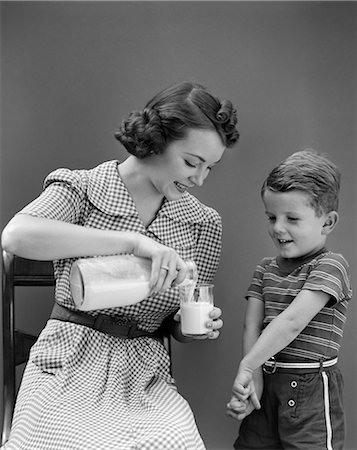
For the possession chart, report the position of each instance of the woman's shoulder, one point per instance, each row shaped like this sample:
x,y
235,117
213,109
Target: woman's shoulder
x,y
82,178
210,213
190,209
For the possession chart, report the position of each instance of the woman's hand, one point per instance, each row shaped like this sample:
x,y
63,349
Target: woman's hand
x,y
167,268
213,325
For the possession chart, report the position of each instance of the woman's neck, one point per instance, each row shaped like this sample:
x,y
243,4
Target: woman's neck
x,y
147,199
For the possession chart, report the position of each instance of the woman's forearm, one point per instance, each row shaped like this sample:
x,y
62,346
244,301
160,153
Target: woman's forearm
x,y
46,239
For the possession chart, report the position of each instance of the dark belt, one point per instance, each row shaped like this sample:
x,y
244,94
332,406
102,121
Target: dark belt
x,y
102,323
272,365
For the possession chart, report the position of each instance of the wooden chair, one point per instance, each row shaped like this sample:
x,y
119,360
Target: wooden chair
x,y
16,344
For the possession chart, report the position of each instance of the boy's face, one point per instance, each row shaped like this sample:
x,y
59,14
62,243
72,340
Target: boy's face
x,y
293,224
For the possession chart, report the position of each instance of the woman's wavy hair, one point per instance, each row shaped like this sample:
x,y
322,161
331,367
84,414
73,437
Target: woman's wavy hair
x,y
171,113
310,172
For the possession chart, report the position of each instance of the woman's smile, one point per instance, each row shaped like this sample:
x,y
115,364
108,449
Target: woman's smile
x,y
181,187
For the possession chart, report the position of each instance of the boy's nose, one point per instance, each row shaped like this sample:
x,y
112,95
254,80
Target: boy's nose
x,y
278,227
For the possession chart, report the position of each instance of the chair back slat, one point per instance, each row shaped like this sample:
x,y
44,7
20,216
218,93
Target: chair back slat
x,y
28,272
16,272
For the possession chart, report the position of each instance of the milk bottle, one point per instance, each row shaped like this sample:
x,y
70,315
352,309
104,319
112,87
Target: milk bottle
x,y
112,281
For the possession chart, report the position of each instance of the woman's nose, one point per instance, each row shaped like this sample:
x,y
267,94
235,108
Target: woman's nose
x,y
199,177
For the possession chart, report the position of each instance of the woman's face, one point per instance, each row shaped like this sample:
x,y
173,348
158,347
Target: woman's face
x,y
186,163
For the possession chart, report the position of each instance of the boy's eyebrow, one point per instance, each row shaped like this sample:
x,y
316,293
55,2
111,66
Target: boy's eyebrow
x,y
200,158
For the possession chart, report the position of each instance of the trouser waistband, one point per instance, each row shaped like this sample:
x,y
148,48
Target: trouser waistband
x,y
102,323
272,365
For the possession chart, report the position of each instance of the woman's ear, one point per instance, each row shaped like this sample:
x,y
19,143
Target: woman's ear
x,y
331,221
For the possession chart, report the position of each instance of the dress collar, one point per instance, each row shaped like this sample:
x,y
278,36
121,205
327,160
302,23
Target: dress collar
x,y
107,191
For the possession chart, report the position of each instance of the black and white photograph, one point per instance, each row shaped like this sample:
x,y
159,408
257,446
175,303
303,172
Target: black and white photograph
x,y
178,225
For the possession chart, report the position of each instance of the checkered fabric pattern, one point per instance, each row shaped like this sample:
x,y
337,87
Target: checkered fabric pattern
x,y
83,389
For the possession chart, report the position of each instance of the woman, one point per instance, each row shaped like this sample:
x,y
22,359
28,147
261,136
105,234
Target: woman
x,y
87,389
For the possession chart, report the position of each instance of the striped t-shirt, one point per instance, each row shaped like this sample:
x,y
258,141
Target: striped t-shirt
x,y
277,281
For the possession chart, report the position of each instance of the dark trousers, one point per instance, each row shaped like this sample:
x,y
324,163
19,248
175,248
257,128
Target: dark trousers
x,y
300,411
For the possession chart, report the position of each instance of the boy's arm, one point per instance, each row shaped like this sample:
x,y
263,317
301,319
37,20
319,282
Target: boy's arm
x,y
253,323
284,328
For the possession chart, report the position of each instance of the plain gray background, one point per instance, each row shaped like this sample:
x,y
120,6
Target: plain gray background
x,y
72,70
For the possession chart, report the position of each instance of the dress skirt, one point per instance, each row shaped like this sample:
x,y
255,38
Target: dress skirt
x,y
83,389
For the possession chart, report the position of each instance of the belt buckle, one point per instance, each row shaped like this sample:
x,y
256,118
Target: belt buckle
x,y
99,320
270,370
132,329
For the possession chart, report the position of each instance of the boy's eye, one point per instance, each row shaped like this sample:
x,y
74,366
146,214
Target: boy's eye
x,y
293,219
271,219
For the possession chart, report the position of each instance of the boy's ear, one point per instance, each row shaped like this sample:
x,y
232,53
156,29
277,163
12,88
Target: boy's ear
x,y
331,221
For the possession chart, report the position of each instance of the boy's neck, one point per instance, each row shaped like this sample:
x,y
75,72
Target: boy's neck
x,y
287,265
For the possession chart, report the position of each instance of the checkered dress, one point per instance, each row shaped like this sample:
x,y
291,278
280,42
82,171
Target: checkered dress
x,y
83,389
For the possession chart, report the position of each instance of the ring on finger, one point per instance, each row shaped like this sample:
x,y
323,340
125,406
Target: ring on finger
x,y
165,268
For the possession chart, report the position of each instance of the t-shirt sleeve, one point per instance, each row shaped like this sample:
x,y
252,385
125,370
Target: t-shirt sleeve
x,y
62,197
331,275
256,286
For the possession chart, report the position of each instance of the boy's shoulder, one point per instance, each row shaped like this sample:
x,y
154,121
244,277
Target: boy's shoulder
x,y
267,261
331,257
285,267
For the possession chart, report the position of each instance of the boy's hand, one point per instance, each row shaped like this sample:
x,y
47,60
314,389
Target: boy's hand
x,y
243,385
239,409
245,398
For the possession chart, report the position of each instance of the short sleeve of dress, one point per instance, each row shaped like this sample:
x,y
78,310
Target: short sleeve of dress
x,y
331,275
256,286
62,197
209,247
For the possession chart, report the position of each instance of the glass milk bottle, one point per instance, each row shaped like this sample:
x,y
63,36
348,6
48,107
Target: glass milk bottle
x,y
113,281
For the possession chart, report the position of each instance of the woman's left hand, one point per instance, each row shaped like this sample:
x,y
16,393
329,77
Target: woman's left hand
x,y
213,325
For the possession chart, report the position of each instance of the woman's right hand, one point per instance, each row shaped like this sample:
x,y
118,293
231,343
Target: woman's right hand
x,y
47,239
167,269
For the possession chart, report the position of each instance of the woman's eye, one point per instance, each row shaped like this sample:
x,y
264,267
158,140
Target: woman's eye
x,y
271,219
293,219
189,164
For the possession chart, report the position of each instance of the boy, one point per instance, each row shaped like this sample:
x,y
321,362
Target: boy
x,y
296,310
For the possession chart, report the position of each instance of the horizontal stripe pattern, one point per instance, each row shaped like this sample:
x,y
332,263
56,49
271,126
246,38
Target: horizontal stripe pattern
x,y
327,272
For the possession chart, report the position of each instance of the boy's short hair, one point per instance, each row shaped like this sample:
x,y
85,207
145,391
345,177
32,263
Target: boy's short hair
x,y
310,172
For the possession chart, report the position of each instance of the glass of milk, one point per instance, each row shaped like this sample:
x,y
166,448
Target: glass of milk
x,y
195,304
